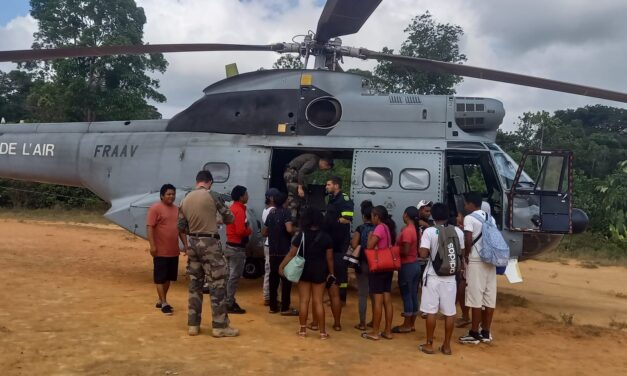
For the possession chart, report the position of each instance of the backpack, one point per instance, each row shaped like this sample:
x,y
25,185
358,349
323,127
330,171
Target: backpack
x,y
448,258
494,249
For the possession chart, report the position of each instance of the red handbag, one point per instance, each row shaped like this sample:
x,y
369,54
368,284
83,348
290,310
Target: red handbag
x,y
384,260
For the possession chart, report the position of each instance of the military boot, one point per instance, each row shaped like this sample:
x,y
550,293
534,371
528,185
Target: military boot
x,y
193,330
225,332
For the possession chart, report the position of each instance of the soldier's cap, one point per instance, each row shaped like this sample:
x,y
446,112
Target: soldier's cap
x,y
272,192
424,203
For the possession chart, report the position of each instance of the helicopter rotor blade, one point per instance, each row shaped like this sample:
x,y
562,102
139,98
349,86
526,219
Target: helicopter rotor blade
x,y
495,75
343,17
60,53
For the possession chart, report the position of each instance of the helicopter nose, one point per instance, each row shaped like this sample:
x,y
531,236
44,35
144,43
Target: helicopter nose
x,y
580,221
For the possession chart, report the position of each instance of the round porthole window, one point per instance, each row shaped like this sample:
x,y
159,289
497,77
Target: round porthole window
x,y
323,112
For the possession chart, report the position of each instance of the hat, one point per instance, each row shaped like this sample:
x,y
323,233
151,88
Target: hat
x,y
424,203
237,192
272,192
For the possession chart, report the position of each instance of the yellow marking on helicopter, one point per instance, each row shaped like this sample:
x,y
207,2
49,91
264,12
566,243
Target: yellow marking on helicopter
x,y
27,149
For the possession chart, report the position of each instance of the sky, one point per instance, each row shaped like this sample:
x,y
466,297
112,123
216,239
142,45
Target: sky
x,y
577,41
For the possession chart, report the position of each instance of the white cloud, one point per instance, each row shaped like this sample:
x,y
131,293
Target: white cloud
x,y
16,35
569,40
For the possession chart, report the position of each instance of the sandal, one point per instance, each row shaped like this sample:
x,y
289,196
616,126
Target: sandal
x,y
324,335
361,327
383,335
424,349
365,335
462,322
445,352
302,332
290,312
337,328
313,326
401,330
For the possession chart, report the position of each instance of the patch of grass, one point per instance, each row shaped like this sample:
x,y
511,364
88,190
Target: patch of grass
x,y
56,215
588,246
620,325
510,300
588,265
567,318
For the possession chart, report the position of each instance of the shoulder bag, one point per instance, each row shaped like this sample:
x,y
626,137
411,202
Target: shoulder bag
x,y
386,259
294,269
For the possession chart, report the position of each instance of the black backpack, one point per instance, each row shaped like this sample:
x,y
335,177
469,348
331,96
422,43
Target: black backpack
x,y
448,258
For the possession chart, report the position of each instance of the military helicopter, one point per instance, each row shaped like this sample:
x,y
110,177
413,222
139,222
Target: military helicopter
x,y
244,129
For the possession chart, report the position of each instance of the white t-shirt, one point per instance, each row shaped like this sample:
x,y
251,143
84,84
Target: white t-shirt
x,y
264,215
429,240
473,225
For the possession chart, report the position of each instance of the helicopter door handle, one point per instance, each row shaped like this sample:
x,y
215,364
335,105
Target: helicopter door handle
x,y
367,192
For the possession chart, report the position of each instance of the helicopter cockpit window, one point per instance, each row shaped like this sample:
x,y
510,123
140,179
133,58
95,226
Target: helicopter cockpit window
x,y
377,177
415,179
219,170
507,168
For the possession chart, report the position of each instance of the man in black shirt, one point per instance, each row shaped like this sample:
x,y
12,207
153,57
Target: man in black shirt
x,y
337,223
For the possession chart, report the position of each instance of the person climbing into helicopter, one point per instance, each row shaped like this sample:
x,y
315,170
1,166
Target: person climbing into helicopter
x,y
294,176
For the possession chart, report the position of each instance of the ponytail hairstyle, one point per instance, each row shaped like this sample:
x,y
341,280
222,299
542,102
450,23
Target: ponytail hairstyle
x,y
381,212
414,215
366,209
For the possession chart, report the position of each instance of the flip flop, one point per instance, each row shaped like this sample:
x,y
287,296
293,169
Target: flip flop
x,y
383,335
361,327
399,330
324,336
291,312
445,352
461,322
312,326
424,349
365,335
337,328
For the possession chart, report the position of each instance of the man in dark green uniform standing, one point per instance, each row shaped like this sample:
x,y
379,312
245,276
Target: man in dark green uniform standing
x,y
294,177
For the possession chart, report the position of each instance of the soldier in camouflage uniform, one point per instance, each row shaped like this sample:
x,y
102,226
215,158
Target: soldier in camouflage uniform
x,y
197,218
294,177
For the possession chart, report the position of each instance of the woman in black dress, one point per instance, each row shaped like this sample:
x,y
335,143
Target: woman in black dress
x,y
316,247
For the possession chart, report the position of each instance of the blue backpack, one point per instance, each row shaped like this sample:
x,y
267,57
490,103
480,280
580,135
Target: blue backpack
x,y
494,249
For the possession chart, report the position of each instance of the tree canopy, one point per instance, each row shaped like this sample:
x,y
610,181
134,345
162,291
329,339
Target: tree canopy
x,y
92,88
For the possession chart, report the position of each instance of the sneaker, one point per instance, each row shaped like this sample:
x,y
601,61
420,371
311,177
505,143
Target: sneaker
x,y
470,338
167,310
486,337
193,330
236,309
225,332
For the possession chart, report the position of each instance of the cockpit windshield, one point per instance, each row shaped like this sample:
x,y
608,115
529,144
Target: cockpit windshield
x,y
507,168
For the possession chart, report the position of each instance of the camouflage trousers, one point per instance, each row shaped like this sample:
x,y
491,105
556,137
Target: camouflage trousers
x,y
206,259
294,201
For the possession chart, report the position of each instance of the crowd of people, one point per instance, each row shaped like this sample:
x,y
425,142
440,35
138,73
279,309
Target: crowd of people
x,y
439,268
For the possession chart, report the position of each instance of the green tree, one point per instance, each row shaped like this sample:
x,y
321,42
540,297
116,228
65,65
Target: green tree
x,y
427,39
93,88
14,89
288,61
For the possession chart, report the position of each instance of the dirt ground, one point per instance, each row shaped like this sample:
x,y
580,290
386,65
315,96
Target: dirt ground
x,y
78,299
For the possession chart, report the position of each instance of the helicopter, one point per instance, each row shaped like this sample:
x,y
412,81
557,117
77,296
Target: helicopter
x,y
402,148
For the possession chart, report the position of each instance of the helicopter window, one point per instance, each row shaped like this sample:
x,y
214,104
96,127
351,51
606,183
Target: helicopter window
x,y
415,179
480,107
507,168
219,170
377,177
470,107
461,107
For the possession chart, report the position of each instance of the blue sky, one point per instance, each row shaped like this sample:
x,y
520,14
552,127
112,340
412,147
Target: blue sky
x,y
9,9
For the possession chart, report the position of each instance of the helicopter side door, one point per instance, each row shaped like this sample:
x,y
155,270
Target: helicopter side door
x,y
396,179
544,205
